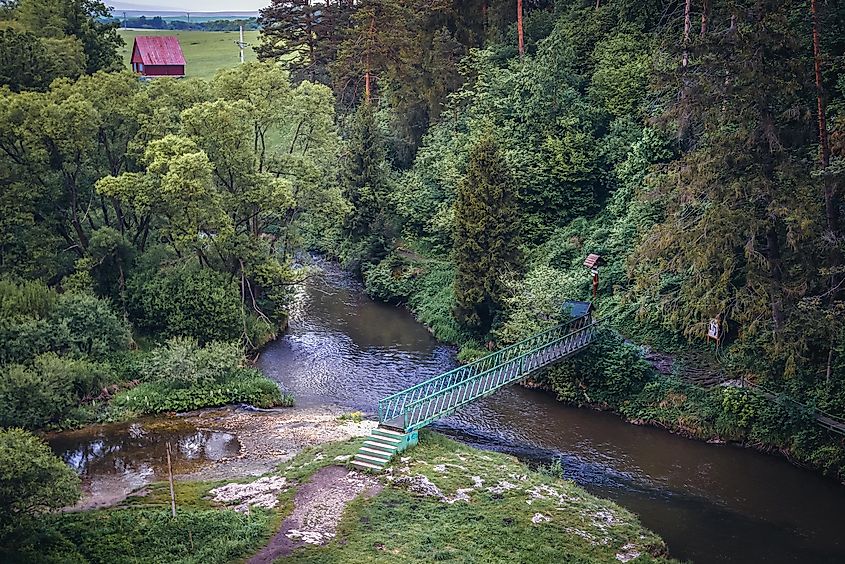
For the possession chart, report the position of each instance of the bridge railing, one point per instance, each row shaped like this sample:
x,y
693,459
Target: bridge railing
x,y
428,409
578,330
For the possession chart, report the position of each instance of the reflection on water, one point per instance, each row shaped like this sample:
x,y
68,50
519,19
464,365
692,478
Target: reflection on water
x,y
113,460
710,503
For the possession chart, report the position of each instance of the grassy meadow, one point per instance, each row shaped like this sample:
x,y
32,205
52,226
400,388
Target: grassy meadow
x,y
205,51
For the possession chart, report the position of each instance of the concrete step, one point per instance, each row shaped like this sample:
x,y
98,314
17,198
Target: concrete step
x,y
373,443
386,438
386,431
365,465
371,459
375,452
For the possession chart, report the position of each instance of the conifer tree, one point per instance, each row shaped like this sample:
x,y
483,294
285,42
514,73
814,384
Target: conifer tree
x,y
366,188
486,246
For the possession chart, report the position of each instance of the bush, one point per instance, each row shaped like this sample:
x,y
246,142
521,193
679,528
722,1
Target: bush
x,y
609,372
389,281
203,304
25,299
73,324
32,479
91,326
142,535
44,393
183,363
247,386
434,302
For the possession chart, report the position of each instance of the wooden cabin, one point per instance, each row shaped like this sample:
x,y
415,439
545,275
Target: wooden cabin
x,y
157,55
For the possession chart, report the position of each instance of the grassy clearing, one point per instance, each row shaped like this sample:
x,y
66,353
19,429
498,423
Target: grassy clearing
x,y
441,501
516,515
205,51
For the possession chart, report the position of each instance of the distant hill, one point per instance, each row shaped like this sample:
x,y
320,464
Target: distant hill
x,y
134,10
181,15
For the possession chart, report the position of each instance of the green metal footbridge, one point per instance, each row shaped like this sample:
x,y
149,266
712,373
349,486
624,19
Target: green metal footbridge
x,y
404,413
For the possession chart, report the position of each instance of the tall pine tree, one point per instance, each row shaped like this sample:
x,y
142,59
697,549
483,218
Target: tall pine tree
x,y
367,226
487,229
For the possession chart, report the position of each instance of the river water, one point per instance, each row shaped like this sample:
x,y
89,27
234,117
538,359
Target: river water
x,y
711,503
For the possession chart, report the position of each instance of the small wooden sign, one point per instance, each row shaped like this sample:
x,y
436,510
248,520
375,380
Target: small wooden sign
x,y
714,330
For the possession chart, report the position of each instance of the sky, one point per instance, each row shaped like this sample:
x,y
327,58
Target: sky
x,y
190,5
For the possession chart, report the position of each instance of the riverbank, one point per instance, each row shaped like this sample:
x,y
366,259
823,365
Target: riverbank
x,y
614,375
439,500
118,460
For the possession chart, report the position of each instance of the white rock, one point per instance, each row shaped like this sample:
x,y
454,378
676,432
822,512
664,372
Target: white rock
x,y
540,518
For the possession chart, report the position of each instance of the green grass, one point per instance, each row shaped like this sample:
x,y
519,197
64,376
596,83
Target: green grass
x,y
400,526
205,51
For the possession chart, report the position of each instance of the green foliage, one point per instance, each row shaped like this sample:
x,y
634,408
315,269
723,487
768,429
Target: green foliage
x,y
390,280
25,299
145,535
181,376
247,386
34,396
182,363
607,373
32,480
434,303
199,303
486,236
36,320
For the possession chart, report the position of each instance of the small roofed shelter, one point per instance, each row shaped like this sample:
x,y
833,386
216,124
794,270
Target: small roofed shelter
x,y
157,55
580,314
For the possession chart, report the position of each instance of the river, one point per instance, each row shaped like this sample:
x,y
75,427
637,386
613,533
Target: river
x,y
711,503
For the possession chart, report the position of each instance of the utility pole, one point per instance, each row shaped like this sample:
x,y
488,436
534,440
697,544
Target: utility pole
x,y
241,43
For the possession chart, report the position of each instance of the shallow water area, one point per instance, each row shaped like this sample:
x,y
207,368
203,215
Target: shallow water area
x,y
115,459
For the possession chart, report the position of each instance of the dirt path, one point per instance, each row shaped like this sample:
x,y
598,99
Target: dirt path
x,y
318,507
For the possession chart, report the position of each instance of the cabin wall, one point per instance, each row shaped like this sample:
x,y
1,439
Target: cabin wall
x,y
164,70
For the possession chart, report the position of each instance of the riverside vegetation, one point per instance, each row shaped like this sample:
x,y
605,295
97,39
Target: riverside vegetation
x,y
691,144
464,161
438,492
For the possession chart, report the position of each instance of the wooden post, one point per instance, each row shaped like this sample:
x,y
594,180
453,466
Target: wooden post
x,y
170,479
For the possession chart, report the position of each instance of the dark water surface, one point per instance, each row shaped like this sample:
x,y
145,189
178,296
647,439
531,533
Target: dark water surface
x,y
711,503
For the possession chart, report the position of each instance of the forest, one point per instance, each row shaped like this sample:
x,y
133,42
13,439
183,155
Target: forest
x,y
463,157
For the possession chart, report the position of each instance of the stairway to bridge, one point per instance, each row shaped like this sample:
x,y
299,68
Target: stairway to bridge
x,y
404,413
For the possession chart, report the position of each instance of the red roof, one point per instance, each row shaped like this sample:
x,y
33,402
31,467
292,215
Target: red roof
x,y
158,50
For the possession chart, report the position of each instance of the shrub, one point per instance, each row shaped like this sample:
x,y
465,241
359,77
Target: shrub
x,y
434,302
389,281
203,304
610,370
33,396
247,386
75,324
183,363
25,299
32,478
91,325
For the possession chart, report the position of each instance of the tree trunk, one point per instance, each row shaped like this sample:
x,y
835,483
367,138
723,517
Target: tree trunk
x,y
705,17
367,69
775,277
519,28
687,27
830,204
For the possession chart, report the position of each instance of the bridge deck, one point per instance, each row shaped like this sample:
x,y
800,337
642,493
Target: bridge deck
x,y
438,397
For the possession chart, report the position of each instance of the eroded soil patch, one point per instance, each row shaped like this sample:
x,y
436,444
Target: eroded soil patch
x,y
318,508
